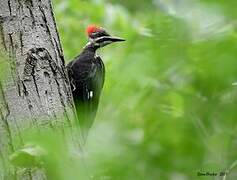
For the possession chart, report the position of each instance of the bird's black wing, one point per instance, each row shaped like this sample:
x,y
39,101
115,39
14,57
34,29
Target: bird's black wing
x,y
87,81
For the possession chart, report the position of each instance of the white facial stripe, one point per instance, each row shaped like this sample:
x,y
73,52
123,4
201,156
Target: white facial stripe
x,y
105,43
93,41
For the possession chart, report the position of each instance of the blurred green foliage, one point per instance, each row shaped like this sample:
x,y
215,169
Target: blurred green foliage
x,y
168,105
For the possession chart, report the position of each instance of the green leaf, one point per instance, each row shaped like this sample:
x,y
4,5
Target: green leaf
x,y
28,156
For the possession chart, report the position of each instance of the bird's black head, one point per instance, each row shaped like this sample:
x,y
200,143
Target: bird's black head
x,y
99,37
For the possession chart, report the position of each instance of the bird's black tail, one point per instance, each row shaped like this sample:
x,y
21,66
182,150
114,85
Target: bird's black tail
x,y
86,113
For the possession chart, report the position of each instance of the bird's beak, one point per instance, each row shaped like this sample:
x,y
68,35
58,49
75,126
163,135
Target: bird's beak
x,y
108,39
105,40
115,39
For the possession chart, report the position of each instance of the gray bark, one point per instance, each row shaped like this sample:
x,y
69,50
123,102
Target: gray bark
x,y
34,91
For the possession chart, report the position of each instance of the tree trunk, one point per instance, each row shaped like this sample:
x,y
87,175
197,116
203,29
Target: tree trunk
x,y
35,91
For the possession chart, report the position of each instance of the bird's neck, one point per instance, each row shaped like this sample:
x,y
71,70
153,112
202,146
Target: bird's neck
x,y
91,46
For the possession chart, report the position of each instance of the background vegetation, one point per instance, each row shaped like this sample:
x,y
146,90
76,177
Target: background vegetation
x,y
168,106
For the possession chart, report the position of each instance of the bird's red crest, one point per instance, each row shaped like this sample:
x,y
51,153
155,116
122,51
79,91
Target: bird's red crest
x,y
92,29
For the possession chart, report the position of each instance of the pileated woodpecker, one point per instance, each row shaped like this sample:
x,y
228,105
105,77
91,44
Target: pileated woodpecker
x,y
86,74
